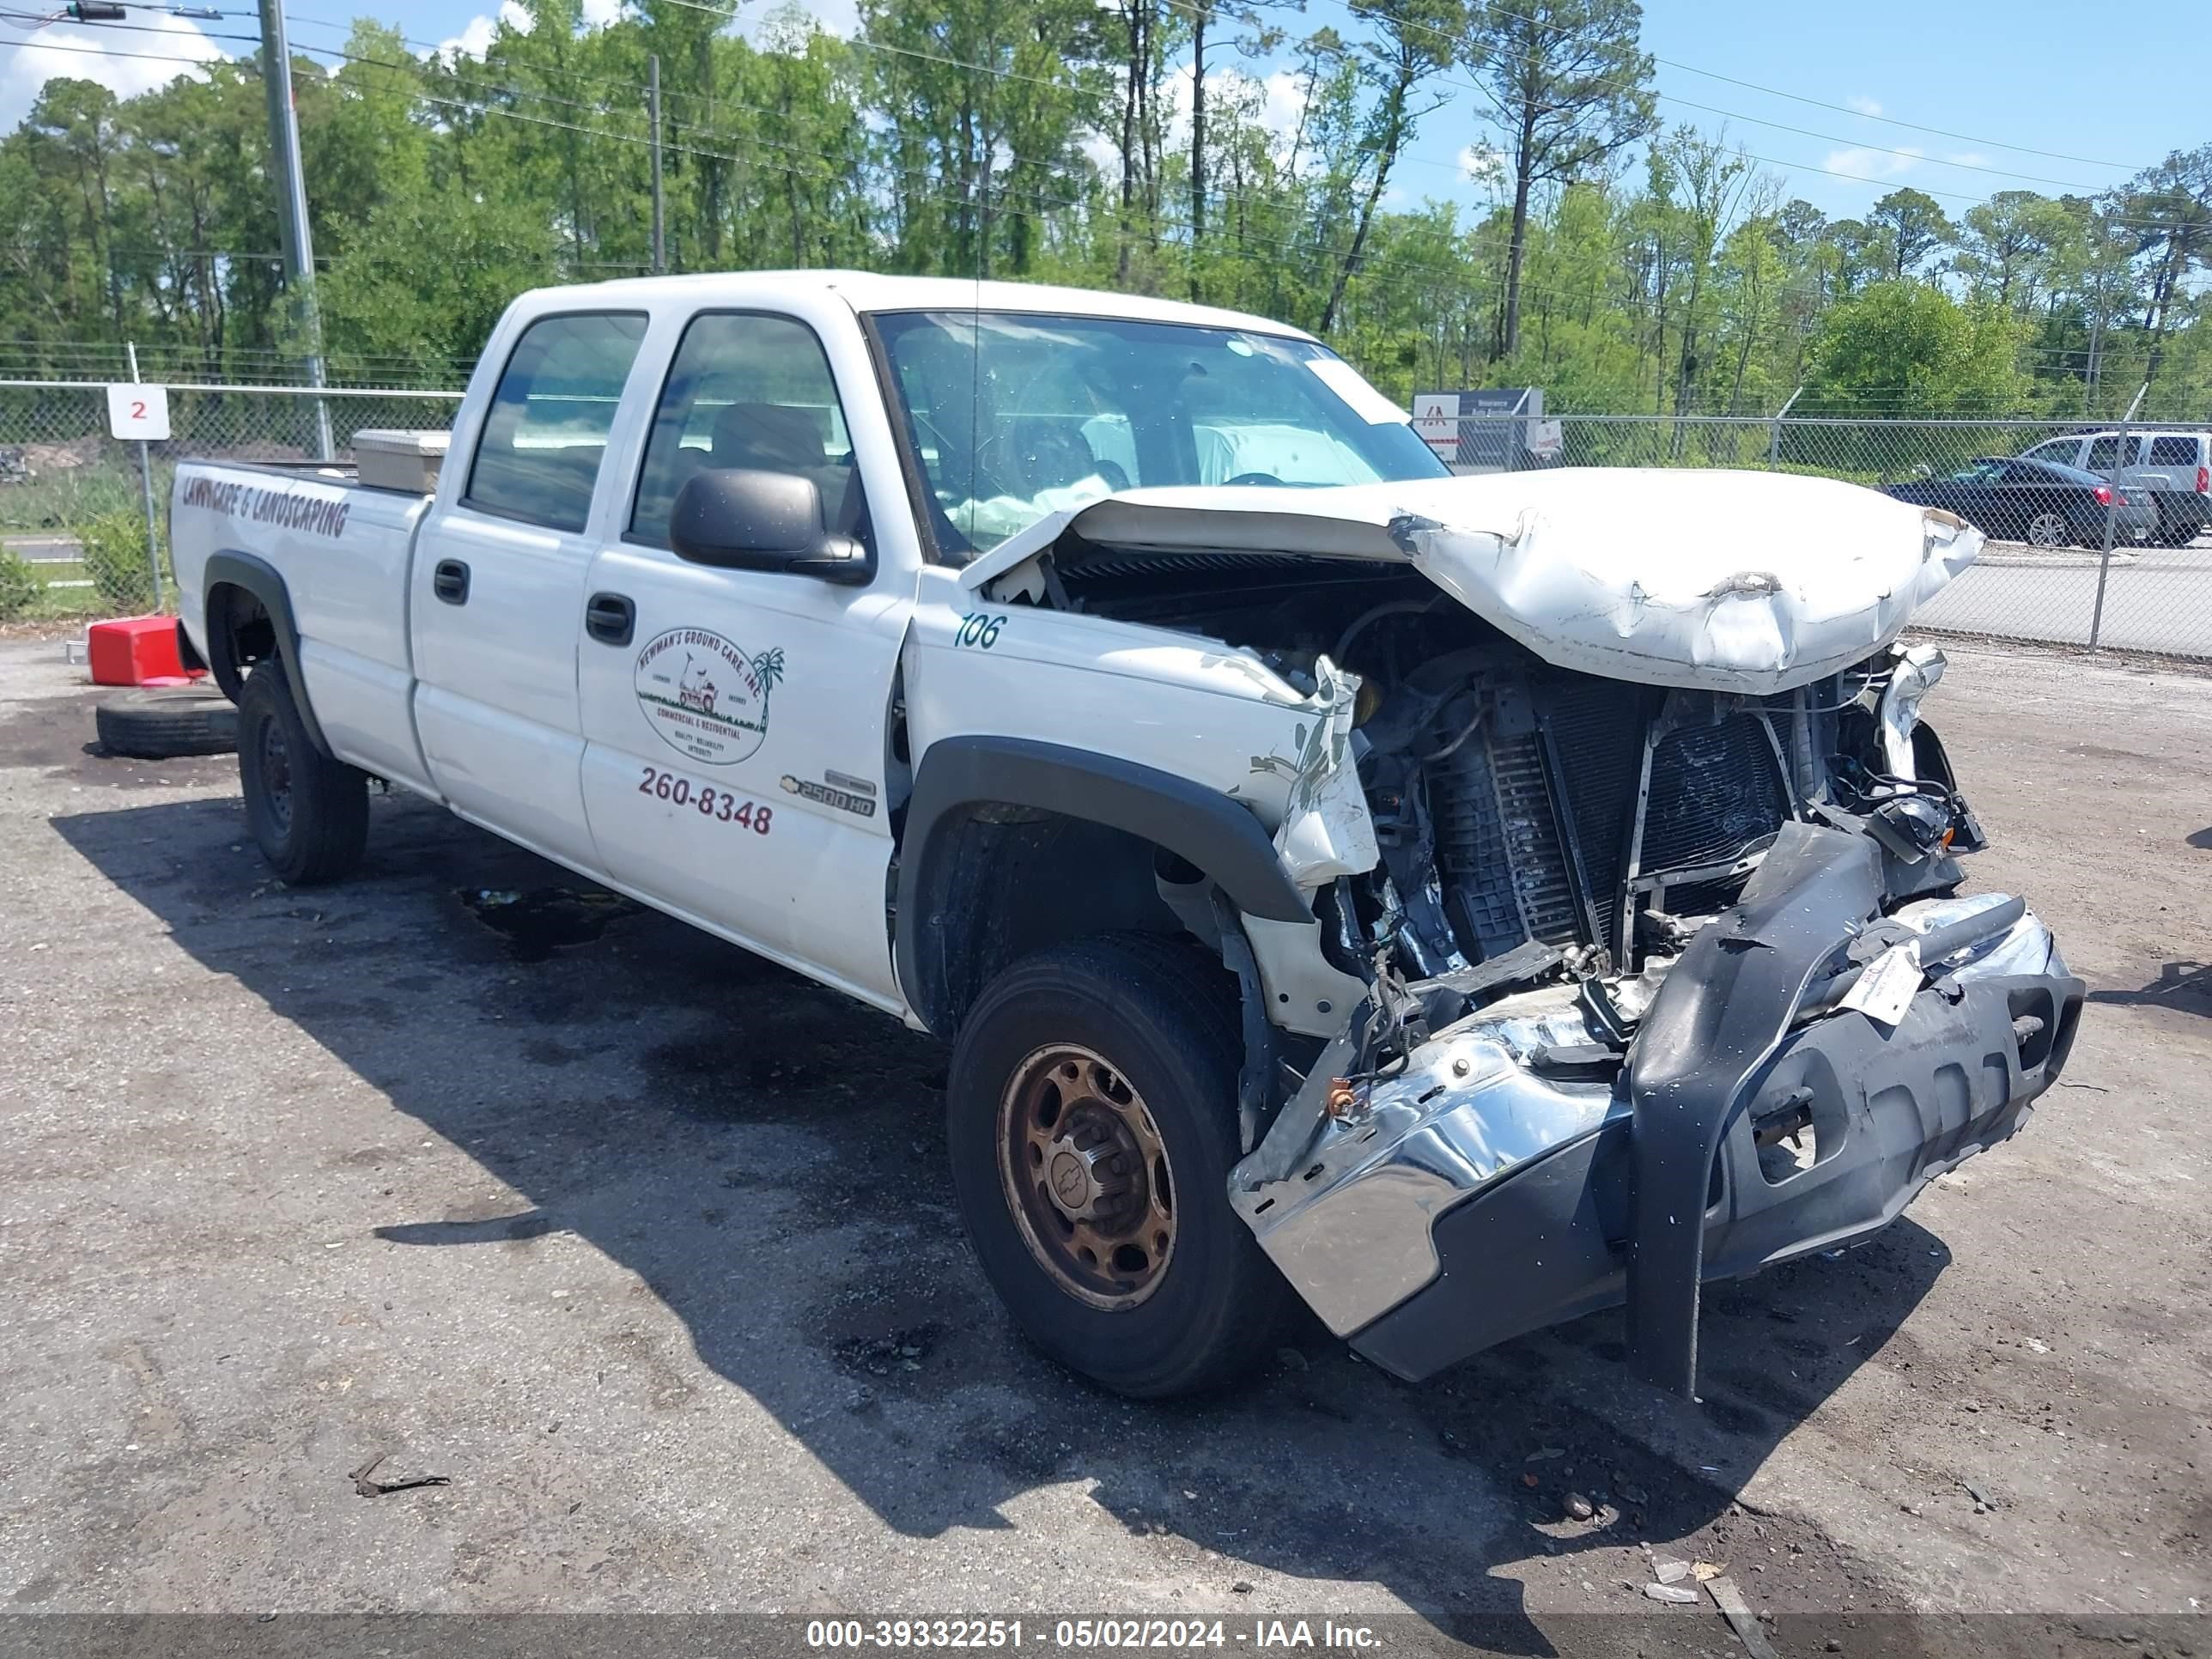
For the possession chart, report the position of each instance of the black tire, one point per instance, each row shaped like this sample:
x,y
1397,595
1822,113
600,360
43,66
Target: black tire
x,y
161,723
1166,1019
309,812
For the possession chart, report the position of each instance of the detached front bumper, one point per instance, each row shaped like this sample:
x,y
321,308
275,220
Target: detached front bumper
x,y
1474,1199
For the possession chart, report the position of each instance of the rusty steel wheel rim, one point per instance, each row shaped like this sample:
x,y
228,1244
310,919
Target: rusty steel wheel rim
x,y
1085,1174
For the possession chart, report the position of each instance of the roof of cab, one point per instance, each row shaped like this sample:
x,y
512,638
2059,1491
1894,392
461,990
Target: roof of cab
x,y
869,291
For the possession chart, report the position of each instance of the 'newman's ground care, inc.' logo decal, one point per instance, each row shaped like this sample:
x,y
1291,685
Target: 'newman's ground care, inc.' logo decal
x,y
705,696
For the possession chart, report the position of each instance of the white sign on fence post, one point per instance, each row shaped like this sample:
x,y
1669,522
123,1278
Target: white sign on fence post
x,y
1435,417
138,412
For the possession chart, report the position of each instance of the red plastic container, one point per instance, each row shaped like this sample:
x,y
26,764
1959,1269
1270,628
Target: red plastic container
x,y
134,651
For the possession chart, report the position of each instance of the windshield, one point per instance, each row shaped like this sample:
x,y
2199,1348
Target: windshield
x,y
1013,416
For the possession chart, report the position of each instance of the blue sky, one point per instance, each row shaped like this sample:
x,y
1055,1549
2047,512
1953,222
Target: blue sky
x,y
2020,73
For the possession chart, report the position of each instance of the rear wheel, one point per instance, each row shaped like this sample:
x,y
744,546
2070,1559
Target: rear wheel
x,y
2049,529
308,811
1092,1109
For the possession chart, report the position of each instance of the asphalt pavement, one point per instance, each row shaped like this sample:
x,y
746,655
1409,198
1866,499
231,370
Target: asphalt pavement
x,y
2157,599
646,1247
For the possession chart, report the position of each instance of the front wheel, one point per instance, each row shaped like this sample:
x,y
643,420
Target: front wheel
x,y
1092,1115
309,812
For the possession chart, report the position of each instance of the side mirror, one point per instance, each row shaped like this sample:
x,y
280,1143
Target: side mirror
x,y
736,519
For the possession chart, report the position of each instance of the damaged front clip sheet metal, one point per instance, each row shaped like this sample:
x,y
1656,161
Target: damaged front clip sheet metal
x,y
1631,857
1509,1143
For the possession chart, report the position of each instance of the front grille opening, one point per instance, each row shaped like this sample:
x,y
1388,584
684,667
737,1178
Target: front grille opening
x,y
1717,796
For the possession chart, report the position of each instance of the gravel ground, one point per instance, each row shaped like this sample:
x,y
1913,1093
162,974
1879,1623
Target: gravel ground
x,y
647,1248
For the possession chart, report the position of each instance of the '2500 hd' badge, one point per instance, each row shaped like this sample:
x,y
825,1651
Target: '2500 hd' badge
x,y
706,697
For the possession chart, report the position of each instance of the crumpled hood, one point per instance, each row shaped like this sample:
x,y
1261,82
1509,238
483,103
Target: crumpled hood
x,y
1744,581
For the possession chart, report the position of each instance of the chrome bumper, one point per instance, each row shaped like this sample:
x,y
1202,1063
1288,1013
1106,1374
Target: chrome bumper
x,y
1468,1199
1352,1227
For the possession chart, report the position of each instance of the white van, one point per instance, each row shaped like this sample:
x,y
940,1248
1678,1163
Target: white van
x,y
2174,469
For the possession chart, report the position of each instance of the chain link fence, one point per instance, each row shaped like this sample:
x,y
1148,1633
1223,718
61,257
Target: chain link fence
x,y
74,538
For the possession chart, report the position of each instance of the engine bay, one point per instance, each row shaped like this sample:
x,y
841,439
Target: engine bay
x,y
1544,833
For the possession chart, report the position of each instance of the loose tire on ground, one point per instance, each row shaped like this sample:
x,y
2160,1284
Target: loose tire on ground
x,y
1155,1022
309,812
162,723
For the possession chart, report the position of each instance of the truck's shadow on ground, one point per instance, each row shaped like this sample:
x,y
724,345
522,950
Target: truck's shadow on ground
x,y
768,1158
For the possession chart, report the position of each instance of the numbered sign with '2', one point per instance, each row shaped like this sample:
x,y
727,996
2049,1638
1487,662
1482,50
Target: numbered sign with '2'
x,y
138,412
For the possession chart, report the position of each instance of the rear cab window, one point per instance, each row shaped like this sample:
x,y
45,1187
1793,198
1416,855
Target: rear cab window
x,y
538,458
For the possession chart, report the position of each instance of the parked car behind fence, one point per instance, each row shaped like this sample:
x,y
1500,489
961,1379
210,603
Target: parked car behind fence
x,y
2033,501
2173,471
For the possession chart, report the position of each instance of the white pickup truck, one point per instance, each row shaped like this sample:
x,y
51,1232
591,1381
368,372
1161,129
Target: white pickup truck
x,y
1466,902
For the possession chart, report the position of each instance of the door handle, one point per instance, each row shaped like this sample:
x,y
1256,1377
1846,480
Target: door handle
x,y
610,619
450,581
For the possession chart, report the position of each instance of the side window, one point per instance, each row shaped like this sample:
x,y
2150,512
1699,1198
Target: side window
x,y
2103,455
746,390
547,430
2061,450
2179,451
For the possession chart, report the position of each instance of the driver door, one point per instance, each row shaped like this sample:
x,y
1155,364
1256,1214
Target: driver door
x,y
735,721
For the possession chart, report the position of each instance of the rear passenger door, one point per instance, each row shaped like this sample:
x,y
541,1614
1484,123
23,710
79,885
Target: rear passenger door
x,y
738,721
497,586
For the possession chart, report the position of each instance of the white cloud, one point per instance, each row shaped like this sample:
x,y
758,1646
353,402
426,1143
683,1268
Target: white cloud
x,y
767,26
1878,165
1277,102
1482,164
1105,154
86,54
478,33
1874,165
1864,105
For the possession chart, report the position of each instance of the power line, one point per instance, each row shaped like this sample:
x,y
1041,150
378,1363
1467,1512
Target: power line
x,y
1770,161
1354,7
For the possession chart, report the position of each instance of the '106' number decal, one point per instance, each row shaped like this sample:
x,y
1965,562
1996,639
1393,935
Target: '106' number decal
x,y
978,628
719,805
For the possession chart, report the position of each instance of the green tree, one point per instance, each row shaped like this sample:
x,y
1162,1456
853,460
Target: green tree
x,y
1411,44
1914,225
1570,88
2170,206
2008,245
1908,350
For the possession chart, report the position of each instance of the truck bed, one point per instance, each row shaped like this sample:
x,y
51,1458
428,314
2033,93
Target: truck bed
x,y
343,548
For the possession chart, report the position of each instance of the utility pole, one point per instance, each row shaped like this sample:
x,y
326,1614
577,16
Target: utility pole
x,y
292,205
652,104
